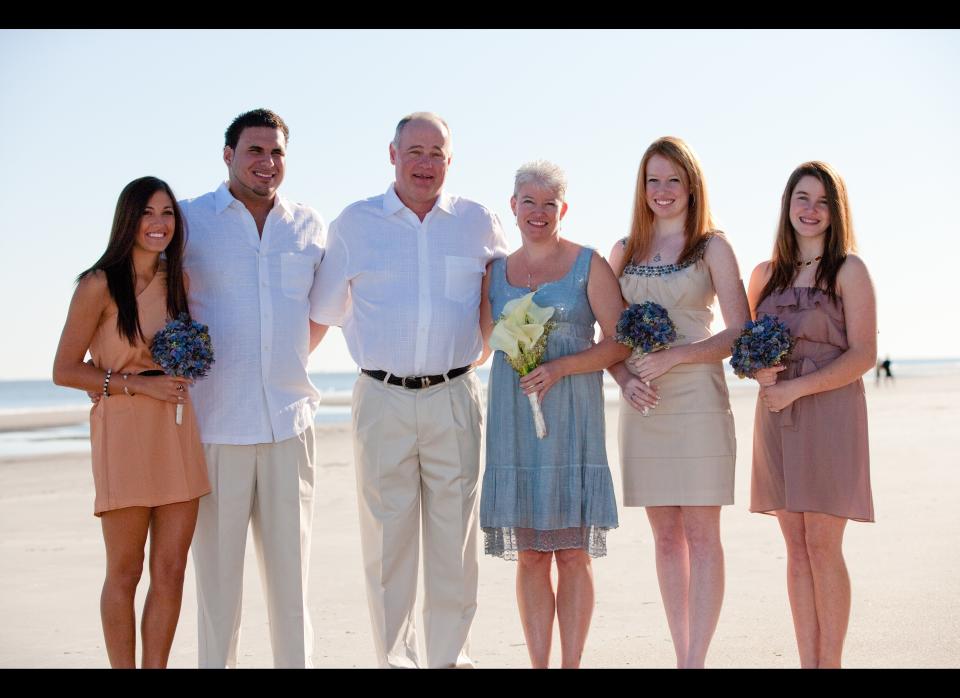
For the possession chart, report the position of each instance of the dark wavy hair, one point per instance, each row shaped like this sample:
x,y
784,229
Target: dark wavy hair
x,y
117,261
254,119
838,241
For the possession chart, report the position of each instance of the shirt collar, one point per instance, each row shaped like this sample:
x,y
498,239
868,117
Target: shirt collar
x,y
392,203
284,205
445,203
224,199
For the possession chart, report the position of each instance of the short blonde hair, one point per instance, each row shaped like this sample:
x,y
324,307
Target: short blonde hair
x,y
544,173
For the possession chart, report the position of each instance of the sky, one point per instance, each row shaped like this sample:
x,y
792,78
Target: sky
x,y
86,111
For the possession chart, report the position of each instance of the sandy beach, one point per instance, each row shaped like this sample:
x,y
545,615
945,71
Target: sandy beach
x,y
904,568
23,420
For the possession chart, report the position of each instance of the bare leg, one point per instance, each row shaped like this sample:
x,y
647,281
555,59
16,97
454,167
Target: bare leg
x,y
537,604
673,574
574,603
800,588
831,584
124,535
171,531
701,527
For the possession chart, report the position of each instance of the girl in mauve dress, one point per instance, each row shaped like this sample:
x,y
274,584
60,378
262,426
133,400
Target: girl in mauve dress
x,y
811,463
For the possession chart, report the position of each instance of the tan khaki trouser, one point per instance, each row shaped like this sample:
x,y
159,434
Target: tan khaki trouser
x,y
270,485
418,460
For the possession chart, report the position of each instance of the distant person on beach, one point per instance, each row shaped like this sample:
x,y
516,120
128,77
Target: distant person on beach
x,y
886,368
551,498
253,258
883,367
148,471
402,277
677,442
811,462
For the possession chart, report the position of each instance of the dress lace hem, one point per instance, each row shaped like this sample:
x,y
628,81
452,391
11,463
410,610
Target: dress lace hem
x,y
508,541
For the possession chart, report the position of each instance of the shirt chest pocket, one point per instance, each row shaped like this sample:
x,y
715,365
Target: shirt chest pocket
x,y
463,278
296,274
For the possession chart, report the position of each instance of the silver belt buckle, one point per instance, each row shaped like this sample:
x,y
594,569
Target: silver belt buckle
x,y
425,382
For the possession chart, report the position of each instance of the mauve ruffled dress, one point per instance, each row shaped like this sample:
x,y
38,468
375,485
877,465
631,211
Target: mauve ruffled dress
x,y
813,456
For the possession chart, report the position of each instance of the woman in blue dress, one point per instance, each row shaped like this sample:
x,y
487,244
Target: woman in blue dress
x,y
550,498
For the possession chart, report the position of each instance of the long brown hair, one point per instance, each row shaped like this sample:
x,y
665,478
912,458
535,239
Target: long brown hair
x,y
699,219
117,261
839,238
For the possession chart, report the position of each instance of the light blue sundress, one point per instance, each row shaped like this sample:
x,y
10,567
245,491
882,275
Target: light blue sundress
x,y
555,493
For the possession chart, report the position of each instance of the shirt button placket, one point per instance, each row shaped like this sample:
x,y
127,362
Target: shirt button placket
x,y
266,330
424,305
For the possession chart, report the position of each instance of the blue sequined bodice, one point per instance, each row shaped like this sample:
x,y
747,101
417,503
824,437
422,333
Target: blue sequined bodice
x,y
568,296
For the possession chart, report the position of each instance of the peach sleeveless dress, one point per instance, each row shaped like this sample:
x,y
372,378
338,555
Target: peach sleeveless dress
x,y
141,457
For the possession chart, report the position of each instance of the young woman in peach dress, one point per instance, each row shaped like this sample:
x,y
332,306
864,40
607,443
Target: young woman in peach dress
x,y
148,471
811,461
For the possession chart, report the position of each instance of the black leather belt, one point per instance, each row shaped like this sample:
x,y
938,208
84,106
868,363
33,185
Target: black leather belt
x,y
417,382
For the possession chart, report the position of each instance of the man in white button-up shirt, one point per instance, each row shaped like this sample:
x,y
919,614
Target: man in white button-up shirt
x,y
253,258
402,276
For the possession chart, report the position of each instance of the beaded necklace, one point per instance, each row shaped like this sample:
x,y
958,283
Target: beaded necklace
x,y
664,269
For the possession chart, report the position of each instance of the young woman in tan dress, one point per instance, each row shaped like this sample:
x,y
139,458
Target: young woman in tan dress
x,y
677,443
811,463
148,471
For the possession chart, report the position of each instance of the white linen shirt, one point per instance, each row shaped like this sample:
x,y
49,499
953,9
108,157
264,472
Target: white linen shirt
x,y
406,292
254,294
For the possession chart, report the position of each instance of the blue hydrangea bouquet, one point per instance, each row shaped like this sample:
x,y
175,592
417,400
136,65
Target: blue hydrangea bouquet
x,y
764,343
183,348
646,327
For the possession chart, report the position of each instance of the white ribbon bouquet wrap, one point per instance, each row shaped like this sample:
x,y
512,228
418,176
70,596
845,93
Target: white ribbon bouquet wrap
x,y
521,333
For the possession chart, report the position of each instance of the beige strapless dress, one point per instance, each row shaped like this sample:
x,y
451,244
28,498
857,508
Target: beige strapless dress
x,y
141,456
684,452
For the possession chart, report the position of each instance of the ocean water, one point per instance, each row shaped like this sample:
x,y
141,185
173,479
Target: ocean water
x,y
17,397
38,396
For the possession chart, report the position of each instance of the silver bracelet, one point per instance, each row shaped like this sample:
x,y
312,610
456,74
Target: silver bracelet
x,y
106,382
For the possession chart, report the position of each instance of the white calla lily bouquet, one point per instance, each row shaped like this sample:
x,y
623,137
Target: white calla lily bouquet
x,y
521,333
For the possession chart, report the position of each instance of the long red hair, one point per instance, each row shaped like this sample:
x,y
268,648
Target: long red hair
x,y
699,219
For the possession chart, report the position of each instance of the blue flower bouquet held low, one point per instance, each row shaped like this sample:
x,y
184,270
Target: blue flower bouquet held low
x,y
646,327
764,343
183,348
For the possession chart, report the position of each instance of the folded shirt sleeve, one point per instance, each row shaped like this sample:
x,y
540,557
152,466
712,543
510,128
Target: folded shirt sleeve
x,y
330,294
498,240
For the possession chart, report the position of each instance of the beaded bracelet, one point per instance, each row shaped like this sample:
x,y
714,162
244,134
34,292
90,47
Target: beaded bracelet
x,y
106,382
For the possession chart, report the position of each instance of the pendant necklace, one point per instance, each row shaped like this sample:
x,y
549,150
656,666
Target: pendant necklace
x,y
526,263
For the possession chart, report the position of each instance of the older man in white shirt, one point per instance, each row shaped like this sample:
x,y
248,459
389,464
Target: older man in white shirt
x,y
253,259
402,276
